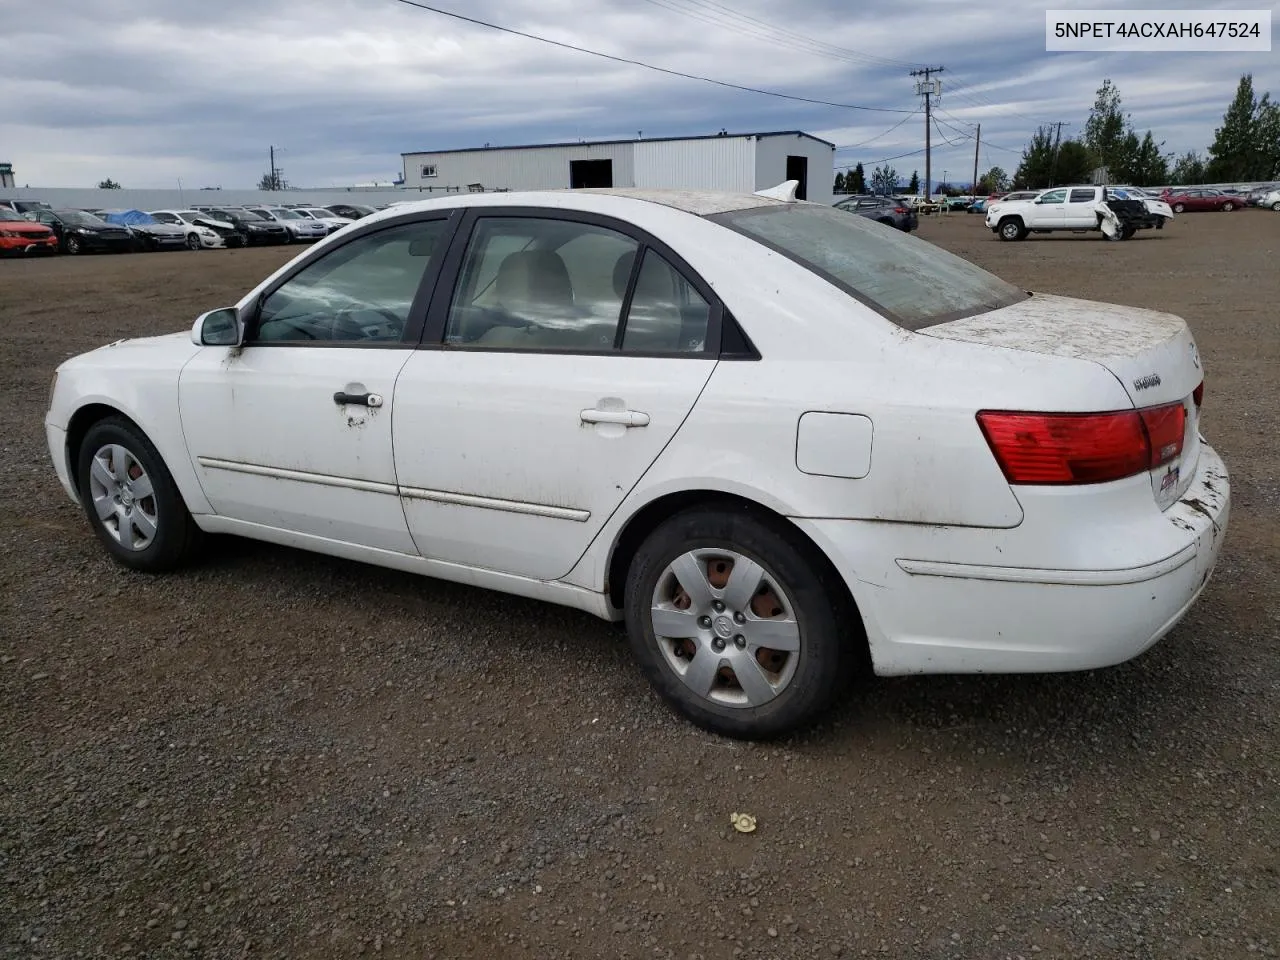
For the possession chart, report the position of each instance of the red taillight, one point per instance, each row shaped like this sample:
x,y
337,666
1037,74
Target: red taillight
x,y
1063,448
1197,395
899,209
1165,426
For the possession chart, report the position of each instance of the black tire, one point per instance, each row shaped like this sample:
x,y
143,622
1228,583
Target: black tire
x,y
177,538
1276,206
831,638
1011,229
1179,208
1228,207
73,245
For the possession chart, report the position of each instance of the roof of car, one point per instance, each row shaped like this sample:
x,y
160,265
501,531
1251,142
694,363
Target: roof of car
x,y
698,202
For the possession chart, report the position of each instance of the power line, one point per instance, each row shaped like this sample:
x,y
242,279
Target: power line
x,y
854,146
647,66
951,143
872,163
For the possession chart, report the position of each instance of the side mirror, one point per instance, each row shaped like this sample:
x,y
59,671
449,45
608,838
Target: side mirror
x,y
217,328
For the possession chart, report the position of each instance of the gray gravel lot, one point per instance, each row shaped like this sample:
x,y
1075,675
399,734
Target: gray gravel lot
x,y
281,755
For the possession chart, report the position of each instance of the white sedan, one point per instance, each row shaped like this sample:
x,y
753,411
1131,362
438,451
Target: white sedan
x,y
1271,200
200,233
779,442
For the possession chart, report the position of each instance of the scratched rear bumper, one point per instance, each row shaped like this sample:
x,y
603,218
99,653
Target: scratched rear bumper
x,y
929,608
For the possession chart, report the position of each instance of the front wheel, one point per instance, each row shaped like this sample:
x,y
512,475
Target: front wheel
x,y
1012,229
73,245
1179,208
736,624
193,242
1228,207
131,500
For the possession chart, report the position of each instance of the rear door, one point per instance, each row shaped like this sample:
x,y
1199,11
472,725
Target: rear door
x,y
564,351
1081,213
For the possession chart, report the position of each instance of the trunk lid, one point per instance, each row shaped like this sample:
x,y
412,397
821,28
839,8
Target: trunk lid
x,y
1152,354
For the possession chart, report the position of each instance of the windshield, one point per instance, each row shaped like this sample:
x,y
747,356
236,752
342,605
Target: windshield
x,y
318,214
80,219
9,215
907,280
283,214
241,214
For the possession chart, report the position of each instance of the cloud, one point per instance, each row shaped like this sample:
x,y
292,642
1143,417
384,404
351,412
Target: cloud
x,y
149,91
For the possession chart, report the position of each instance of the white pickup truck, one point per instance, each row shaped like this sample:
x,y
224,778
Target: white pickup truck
x,y
1079,209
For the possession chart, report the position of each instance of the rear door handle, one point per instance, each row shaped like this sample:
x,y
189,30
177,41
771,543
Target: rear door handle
x,y
359,399
628,418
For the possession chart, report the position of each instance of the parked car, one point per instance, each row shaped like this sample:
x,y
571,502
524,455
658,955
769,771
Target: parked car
x,y
202,231
148,232
1271,199
27,208
711,372
886,210
80,232
19,236
256,230
300,228
352,211
1200,198
324,216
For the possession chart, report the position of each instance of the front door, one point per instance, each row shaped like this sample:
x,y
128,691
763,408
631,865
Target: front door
x,y
1051,210
567,357
293,431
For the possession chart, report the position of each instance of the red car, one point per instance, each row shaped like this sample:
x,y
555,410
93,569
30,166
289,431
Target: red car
x,y
20,235
1200,198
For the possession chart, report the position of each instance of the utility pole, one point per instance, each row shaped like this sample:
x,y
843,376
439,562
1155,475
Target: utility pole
x,y
926,89
977,142
1053,163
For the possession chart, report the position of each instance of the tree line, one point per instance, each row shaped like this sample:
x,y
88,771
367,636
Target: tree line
x,y
1245,148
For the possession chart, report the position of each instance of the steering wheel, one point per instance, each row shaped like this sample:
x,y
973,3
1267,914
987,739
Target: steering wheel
x,y
344,321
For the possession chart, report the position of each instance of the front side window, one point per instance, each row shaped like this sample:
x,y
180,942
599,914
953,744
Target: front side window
x,y
909,281
359,293
540,284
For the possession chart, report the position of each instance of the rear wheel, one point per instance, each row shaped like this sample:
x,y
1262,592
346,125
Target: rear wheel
x,y
1012,229
735,624
131,500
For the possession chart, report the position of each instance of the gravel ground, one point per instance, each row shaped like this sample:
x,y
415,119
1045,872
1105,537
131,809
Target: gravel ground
x,y
282,755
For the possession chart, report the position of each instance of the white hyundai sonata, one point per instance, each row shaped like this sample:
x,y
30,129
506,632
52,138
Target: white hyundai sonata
x,y
779,441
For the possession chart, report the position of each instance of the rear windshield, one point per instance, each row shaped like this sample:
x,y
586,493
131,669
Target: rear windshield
x,y
907,280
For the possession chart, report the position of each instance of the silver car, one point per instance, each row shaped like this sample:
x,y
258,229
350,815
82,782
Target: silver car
x,y
299,227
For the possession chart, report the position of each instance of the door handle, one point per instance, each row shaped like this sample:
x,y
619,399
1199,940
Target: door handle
x,y
628,418
359,399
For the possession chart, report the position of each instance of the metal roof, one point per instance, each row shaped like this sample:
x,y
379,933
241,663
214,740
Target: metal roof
x,y
601,143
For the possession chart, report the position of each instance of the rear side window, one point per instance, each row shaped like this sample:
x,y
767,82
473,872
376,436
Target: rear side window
x,y
1082,196
907,280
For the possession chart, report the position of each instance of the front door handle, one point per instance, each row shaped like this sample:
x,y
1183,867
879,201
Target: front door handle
x,y
628,418
359,399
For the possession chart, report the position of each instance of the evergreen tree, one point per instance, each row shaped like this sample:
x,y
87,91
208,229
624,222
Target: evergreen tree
x,y
914,186
839,184
1109,135
856,182
1240,150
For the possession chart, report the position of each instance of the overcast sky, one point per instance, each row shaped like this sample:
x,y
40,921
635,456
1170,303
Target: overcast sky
x,y
152,91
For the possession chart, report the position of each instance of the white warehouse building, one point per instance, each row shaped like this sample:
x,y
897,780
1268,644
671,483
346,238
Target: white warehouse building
x,y
738,162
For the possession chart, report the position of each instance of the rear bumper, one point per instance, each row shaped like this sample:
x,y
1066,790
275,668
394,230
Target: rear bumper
x,y
927,610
